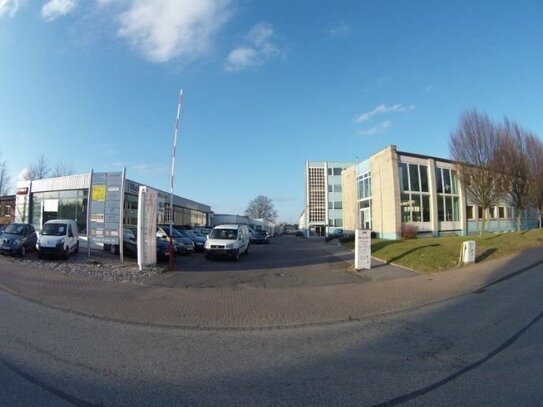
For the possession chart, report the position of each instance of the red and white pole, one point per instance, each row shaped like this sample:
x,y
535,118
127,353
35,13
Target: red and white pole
x,y
172,174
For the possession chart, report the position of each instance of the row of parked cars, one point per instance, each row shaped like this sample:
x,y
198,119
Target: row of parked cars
x,y
60,238
57,238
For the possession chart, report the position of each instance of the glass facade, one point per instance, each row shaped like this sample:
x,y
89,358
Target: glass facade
x,y
71,204
448,201
415,193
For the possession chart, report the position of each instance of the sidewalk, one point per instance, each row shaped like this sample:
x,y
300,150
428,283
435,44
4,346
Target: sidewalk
x,y
253,308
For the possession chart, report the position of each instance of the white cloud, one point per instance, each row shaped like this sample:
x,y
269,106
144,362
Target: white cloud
x,y
380,128
341,29
10,7
57,8
166,29
258,50
383,108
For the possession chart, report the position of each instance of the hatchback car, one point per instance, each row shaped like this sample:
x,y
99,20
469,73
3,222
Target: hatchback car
x,y
18,238
183,245
260,236
198,240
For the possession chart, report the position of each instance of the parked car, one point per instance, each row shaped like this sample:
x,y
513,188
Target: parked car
x,y
299,233
18,238
228,240
2,228
182,245
199,241
336,233
58,238
260,236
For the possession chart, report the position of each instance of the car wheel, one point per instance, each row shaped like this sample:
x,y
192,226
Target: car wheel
x,y
66,253
235,257
23,251
247,250
76,247
40,255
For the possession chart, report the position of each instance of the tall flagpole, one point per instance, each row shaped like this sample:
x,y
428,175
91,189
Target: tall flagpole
x,y
172,175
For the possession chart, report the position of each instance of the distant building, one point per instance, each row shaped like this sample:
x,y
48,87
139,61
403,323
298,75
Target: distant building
x,y
7,209
323,212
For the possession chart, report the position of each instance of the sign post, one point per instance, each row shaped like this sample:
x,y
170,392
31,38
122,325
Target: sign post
x,y
362,249
146,236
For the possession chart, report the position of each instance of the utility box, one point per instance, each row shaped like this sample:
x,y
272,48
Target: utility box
x,y
468,252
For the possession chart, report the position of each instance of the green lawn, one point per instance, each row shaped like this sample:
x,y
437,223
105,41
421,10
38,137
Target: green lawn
x,y
442,253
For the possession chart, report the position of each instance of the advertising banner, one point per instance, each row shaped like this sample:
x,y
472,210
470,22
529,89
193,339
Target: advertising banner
x,y
146,235
362,249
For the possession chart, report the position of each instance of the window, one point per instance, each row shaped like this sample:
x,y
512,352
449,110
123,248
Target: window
x,y
330,188
469,211
501,213
7,210
479,212
337,188
337,171
414,177
416,197
338,205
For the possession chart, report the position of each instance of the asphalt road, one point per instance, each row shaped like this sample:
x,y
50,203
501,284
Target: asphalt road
x,y
479,349
287,261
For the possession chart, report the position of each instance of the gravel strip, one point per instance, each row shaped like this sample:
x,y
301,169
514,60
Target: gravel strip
x,y
101,266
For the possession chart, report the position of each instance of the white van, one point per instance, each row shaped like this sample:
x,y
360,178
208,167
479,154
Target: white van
x,y
228,240
58,238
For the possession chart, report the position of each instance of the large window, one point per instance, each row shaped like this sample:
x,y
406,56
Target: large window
x,y
448,202
415,198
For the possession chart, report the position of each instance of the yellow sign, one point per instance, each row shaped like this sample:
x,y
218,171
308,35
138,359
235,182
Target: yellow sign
x,y
98,193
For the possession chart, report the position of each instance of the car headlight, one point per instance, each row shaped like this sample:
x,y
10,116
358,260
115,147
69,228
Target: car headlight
x,y
207,245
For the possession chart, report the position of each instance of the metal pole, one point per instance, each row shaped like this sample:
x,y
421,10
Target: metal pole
x,y
121,216
89,199
170,248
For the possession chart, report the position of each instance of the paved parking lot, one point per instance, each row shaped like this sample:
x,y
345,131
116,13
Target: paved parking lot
x,y
287,261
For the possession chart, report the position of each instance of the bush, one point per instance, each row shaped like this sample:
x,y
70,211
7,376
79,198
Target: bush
x,y
409,231
346,238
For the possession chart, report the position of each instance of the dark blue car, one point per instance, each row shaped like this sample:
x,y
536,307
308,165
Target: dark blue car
x,y
18,239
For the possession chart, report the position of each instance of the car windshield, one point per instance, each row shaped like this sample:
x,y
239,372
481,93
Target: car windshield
x,y
54,229
198,234
228,234
15,229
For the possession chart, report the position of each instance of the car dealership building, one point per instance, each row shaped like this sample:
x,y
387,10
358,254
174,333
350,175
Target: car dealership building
x,y
68,198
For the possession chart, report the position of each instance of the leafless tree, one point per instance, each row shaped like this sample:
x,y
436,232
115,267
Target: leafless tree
x,y
5,179
39,170
261,207
515,166
62,169
535,159
475,146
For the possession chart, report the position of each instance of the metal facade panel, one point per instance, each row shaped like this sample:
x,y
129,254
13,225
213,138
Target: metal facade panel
x,y
80,181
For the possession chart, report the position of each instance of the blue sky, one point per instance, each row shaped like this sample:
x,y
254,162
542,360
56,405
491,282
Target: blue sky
x,y
267,85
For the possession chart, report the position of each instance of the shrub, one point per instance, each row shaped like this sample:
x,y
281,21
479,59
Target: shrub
x,y
409,231
346,238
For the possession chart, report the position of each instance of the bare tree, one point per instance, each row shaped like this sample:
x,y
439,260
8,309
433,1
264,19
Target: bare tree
x,y
5,179
475,146
62,169
39,170
515,166
535,160
261,207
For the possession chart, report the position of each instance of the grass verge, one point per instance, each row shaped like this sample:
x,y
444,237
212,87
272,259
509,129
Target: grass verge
x,y
442,253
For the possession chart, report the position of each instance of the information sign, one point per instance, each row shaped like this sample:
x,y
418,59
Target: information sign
x,y
362,249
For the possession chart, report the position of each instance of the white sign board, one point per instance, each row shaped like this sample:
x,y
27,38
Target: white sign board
x,y
362,249
146,237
